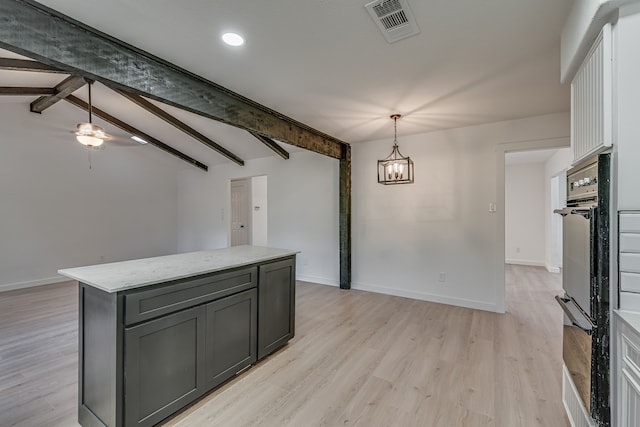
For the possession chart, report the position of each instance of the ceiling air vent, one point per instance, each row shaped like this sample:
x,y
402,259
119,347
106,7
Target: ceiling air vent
x,y
394,18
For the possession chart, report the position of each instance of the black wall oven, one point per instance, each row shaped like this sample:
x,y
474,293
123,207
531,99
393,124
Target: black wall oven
x,y
585,281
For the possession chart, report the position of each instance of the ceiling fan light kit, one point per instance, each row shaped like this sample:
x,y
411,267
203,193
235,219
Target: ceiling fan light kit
x,y
87,133
90,135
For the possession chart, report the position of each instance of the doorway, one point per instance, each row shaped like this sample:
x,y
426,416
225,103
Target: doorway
x,y
248,203
240,212
500,252
558,191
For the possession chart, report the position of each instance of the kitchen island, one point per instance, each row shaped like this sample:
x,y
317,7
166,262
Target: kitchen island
x,y
157,333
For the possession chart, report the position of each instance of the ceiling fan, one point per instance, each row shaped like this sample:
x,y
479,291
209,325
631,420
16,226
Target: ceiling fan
x,y
93,136
90,134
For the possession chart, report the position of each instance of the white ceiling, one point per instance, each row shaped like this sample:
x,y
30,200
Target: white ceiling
x,y
325,63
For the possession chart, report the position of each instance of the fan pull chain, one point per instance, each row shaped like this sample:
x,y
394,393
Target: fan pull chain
x,y
89,152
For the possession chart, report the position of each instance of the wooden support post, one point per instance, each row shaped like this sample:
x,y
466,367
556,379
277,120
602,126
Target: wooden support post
x,y
345,218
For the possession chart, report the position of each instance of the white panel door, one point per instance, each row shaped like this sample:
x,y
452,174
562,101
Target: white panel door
x,y
240,212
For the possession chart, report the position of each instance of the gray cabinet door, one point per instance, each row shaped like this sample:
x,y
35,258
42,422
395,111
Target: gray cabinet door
x,y
276,305
231,336
163,366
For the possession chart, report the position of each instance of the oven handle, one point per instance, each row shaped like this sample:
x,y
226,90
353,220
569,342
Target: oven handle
x,y
563,304
585,212
563,212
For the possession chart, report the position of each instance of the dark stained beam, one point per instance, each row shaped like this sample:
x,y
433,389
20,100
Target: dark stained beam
x,y
62,90
28,91
27,27
27,65
158,112
345,218
272,144
130,129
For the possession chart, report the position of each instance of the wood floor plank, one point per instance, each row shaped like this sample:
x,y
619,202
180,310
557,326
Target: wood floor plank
x,y
358,359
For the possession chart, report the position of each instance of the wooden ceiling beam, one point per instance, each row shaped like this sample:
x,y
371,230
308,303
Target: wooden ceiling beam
x,y
12,64
133,131
160,113
62,90
27,28
26,91
272,145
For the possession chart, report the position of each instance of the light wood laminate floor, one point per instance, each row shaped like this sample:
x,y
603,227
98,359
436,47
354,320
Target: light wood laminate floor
x,y
358,359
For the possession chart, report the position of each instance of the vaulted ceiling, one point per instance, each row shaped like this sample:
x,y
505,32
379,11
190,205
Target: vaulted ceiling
x,y
326,64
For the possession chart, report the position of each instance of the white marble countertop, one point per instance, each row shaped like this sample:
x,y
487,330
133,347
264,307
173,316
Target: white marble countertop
x,y
119,276
632,318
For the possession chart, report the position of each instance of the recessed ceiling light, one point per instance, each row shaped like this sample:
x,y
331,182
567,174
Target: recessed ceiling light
x,y
233,39
139,140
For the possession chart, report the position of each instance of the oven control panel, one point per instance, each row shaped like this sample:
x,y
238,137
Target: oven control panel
x,y
583,183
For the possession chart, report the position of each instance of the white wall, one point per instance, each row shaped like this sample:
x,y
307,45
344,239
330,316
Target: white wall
x,y
405,236
259,211
56,213
303,209
627,135
556,166
525,237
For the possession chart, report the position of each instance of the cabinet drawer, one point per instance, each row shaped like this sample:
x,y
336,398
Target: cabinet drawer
x,y
629,282
630,262
629,222
630,242
181,294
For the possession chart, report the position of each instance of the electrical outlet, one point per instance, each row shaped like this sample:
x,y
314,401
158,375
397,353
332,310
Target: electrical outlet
x,y
305,261
101,258
442,277
517,250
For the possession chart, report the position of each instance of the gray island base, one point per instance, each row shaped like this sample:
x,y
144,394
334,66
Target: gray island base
x,y
156,334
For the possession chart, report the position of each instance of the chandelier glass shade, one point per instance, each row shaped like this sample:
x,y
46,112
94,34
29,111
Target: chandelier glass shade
x,y
395,168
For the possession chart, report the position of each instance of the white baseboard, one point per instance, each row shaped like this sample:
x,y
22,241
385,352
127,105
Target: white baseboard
x,y
424,296
33,283
318,280
524,262
551,269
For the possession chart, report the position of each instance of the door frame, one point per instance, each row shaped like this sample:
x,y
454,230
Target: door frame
x,y
557,188
258,205
499,255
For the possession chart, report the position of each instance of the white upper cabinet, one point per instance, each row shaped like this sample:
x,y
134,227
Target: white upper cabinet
x,y
591,100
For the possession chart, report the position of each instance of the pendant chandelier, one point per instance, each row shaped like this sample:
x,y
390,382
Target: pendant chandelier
x,y
89,134
395,169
